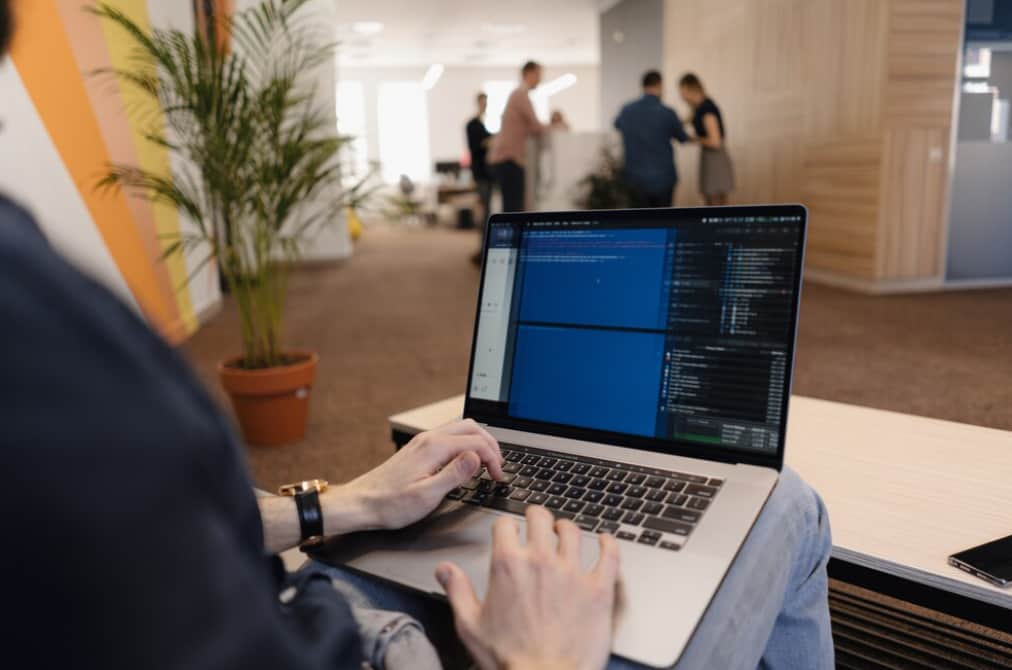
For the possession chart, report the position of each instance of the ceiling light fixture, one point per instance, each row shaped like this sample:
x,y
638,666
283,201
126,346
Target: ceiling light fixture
x,y
367,27
432,76
503,28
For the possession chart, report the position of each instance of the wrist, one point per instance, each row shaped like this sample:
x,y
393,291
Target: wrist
x,y
347,510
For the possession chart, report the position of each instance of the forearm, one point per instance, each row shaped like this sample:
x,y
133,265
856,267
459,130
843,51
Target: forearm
x,y
344,511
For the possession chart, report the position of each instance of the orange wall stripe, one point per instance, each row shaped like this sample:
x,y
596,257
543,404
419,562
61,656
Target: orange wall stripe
x,y
46,64
88,45
151,157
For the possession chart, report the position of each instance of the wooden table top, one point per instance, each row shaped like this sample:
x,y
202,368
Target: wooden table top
x,y
903,492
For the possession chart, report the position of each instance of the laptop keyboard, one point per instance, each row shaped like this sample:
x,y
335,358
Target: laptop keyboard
x,y
654,507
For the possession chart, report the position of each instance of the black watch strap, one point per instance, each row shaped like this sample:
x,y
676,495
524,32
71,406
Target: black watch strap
x,y
310,513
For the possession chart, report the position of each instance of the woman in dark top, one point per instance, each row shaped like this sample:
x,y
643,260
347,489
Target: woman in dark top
x,y
716,174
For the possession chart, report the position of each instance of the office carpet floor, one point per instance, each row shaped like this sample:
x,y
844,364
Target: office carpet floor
x,y
393,327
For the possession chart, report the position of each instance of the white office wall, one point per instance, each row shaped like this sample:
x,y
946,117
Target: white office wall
x,y
451,100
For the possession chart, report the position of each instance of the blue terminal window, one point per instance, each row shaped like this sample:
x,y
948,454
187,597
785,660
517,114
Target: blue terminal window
x,y
590,327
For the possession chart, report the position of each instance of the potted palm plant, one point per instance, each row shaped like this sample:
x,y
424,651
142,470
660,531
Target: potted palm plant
x,y
260,173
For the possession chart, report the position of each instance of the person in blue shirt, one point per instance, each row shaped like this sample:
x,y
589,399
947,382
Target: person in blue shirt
x,y
647,127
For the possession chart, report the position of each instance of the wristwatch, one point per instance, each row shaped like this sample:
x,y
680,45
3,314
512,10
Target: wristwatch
x,y
307,501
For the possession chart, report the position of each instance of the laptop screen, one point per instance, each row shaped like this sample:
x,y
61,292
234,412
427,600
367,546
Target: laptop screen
x,y
672,325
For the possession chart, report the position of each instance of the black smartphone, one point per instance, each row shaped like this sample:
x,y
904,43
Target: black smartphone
x,y
992,562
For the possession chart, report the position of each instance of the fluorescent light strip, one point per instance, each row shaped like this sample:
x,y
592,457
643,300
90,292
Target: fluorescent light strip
x,y
432,76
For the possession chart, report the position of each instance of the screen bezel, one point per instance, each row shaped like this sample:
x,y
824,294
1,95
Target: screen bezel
x,y
473,406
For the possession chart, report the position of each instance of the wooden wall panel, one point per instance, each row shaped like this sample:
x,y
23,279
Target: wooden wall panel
x,y
839,104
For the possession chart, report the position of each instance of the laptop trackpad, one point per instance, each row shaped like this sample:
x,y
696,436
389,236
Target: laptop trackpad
x,y
455,532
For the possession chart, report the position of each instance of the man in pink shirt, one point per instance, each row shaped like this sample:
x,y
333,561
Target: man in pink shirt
x,y
509,148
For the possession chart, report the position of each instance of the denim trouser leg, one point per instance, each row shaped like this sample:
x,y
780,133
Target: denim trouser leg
x,y
771,611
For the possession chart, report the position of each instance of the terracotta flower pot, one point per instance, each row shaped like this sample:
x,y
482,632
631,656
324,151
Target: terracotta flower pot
x,y
272,404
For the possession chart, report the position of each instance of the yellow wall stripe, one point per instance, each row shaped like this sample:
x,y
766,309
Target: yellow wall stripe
x,y
150,156
87,41
46,64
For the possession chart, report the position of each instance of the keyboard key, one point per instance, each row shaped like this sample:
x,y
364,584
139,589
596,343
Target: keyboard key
x,y
555,502
507,478
507,505
598,484
649,537
611,514
616,475
695,479
613,500
563,466
677,499
531,460
672,546
557,489
701,491
475,498
573,506
655,482
656,495
715,482
667,526
519,494
651,507
593,496
537,499
635,479
617,488
631,503
633,518
625,535
562,477
511,467
698,503
593,510
484,485
545,473
529,471
674,486
538,485
575,492
636,492
502,490
470,484
580,480
607,527
562,514
456,494
599,471
680,514
548,461
521,482
586,522
581,469
512,456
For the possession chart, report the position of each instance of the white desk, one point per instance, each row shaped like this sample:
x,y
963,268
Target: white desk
x,y
903,492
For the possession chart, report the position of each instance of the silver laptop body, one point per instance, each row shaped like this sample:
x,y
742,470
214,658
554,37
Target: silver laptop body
x,y
565,336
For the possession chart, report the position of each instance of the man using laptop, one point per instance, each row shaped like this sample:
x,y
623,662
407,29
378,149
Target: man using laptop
x,y
134,539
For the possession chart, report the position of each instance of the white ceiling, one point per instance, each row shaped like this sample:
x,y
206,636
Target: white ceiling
x,y
469,32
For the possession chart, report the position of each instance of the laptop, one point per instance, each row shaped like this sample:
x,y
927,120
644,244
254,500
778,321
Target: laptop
x,y
635,367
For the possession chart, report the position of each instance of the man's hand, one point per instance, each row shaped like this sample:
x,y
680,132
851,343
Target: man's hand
x,y
413,481
542,609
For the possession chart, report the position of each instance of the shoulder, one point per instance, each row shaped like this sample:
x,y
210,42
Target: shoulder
x,y
709,107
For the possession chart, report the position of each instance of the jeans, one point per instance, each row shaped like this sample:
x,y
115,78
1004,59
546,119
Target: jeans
x,y
484,186
771,612
511,179
662,198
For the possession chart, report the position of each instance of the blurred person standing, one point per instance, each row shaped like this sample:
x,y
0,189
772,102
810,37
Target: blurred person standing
x,y
647,127
716,173
478,140
509,148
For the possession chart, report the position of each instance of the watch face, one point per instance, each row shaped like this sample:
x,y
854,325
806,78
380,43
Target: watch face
x,y
296,488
